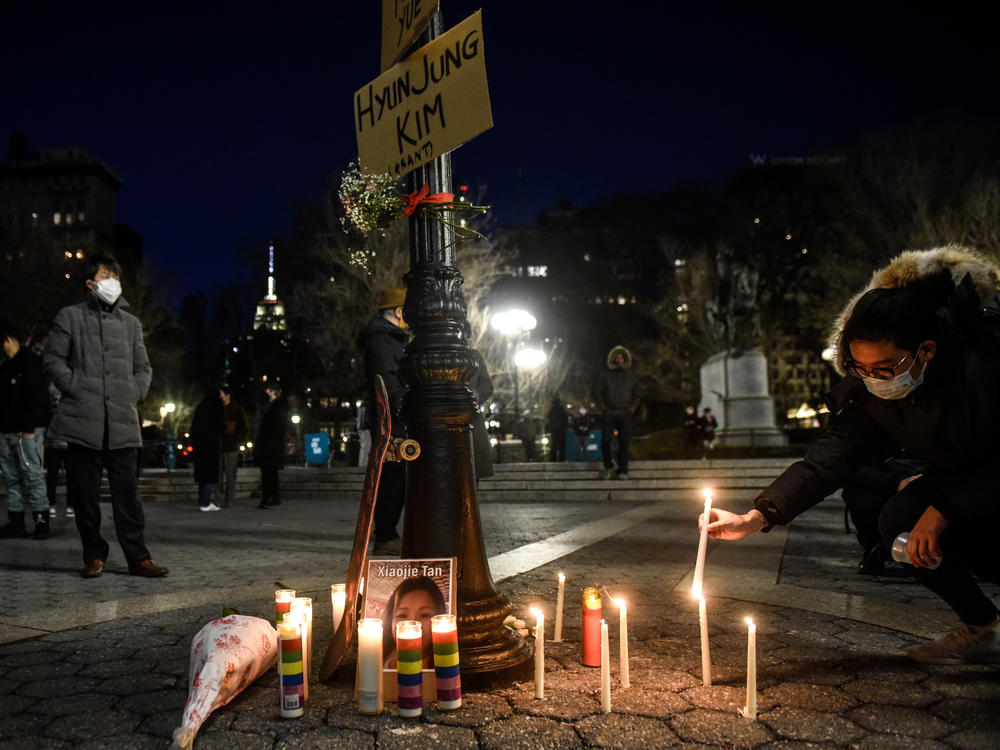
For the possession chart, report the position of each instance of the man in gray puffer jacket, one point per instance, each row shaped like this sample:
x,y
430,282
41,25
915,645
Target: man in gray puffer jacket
x,y
95,356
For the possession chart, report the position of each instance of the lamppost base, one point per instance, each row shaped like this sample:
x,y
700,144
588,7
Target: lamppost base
x,y
492,654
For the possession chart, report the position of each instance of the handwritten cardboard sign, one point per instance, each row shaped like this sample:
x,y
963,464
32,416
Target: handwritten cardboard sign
x,y
402,23
430,103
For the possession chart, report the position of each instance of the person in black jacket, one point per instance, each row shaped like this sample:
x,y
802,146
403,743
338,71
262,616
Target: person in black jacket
x,y
382,342
616,392
206,435
24,415
922,359
269,447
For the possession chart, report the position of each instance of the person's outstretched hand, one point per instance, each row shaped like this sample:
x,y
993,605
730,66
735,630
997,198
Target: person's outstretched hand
x,y
726,525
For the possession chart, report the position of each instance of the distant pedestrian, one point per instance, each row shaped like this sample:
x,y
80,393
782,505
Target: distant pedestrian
x,y
206,439
691,431
381,343
55,460
707,425
556,423
95,356
527,431
235,433
269,448
24,415
616,392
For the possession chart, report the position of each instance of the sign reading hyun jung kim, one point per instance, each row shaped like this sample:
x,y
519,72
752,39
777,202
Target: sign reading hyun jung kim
x,y
402,23
430,103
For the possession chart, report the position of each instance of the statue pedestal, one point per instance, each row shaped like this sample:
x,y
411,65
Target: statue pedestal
x,y
734,387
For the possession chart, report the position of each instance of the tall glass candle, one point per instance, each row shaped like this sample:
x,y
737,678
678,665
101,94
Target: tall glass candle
x,y
751,708
605,670
338,598
370,665
539,653
409,663
699,566
302,609
282,603
291,685
557,635
706,660
591,636
444,631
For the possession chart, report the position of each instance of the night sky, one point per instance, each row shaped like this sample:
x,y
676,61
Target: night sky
x,y
219,115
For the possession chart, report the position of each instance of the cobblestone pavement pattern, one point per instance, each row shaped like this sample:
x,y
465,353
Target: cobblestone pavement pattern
x,y
103,663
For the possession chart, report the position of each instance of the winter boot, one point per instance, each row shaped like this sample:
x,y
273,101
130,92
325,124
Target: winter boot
x,y
41,519
14,528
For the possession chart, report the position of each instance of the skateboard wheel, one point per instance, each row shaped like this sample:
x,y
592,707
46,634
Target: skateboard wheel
x,y
409,449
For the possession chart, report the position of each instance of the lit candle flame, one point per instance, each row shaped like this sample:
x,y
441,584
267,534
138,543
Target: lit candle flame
x,y
696,591
537,613
562,578
749,621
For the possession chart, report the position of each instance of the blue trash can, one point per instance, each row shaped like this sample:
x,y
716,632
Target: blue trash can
x,y
318,448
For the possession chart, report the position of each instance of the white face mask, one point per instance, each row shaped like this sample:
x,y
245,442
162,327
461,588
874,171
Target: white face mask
x,y
108,290
895,388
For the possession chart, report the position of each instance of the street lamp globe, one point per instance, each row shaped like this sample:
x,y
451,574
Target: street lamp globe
x,y
513,322
529,359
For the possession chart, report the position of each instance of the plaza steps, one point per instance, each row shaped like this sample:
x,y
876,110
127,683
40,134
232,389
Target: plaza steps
x,y
571,481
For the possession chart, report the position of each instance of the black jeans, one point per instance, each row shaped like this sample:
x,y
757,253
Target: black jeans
x,y
270,492
390,500
621,421
54,459
83,482
967,549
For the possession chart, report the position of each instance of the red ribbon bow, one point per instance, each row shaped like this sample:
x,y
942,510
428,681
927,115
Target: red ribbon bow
x,y
424,195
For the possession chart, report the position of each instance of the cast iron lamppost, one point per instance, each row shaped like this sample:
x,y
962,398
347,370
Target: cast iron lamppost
x,y
442,511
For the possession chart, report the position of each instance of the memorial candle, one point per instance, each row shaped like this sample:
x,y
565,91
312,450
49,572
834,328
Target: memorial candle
x,y
302,611
591,631
605,670
751,708
706,661
291,690
282,603
699,566
444,632
539,653
557,636
370,665
338,598
623,675
409,666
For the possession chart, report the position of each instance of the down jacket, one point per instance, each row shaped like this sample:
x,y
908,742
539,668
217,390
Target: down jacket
x,y
952,421
95,356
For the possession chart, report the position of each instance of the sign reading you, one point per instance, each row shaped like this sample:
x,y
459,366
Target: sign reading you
x,y
430,103
402,22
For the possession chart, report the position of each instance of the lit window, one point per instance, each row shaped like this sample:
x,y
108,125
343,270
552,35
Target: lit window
x,y
57,218
538,271
79,254
622,300
788,236
69,218
68,254
805,250
756,221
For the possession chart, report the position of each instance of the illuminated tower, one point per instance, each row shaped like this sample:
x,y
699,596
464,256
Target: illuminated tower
x,y
270,311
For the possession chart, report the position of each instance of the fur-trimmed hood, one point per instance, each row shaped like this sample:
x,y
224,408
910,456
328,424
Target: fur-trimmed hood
x,y
914,265
615,351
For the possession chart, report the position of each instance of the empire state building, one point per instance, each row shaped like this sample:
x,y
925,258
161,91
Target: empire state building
x,y
270,313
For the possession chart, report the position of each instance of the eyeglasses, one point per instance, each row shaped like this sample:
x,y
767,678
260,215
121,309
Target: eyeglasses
x,y
878,373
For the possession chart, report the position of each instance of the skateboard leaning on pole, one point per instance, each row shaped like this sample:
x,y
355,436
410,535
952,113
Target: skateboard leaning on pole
x,y
384,448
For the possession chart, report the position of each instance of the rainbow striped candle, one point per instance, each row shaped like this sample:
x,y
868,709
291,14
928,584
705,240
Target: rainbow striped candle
x,y
291,688
444,631
409,668
282,603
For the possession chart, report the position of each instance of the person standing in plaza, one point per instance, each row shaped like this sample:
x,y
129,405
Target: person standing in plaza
x,y
616,392
707,425
206,435
557,422
270,446
689,428
235,432
24,415
55,459
381,343
94,354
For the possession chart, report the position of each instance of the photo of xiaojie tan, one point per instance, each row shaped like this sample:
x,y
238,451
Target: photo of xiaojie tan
x,y
415,590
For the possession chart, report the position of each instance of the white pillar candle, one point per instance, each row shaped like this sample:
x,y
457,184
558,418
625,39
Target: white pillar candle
x,y
699,566
706,660
557,636
338,598
605,669
370,665
622,642
751,708
302,612
539,653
